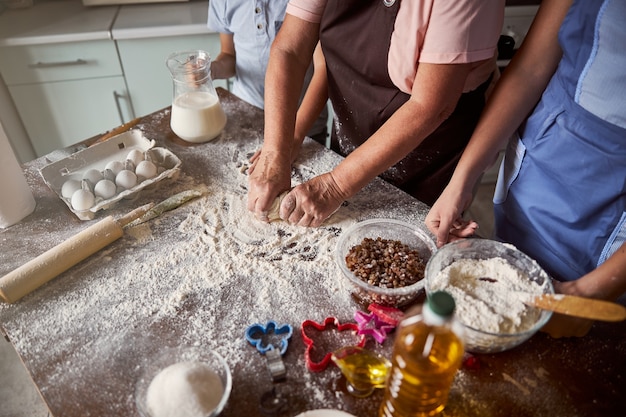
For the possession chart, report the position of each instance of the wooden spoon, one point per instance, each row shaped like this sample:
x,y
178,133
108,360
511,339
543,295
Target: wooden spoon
x,y
571,305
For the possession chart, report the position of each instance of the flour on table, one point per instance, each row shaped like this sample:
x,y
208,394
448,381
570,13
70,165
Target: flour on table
x,y
184,389
227,258
141,233
271,241
198,276
489,294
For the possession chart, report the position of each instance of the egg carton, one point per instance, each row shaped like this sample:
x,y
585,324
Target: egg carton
x,y
97,156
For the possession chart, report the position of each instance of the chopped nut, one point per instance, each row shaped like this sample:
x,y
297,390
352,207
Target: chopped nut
x,y
385,263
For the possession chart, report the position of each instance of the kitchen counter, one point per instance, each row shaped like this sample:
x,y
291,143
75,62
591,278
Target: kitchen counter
x,y
200,274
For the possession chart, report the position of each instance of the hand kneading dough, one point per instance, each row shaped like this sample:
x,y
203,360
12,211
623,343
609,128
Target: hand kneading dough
x,y
185,389
274,213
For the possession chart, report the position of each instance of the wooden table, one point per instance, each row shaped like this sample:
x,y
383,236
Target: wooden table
x,y
87,336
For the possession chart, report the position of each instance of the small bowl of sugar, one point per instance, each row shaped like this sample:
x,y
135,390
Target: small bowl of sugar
x,y
489,281
184,382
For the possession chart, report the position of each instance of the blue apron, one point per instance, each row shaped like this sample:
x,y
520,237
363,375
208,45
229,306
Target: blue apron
x,y
561,191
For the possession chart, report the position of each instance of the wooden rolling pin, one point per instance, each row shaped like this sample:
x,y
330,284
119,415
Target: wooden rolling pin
x,y
38,271
120,129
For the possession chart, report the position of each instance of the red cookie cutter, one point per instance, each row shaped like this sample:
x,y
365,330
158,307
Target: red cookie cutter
x,y
389,315
329,322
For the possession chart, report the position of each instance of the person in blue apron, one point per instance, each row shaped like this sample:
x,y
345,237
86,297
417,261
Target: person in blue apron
x,y
407,82
561,192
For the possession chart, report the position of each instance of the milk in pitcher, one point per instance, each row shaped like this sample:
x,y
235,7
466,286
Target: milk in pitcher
x,y
197,116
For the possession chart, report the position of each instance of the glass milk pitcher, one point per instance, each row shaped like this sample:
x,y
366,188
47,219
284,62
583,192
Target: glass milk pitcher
x,y
197,115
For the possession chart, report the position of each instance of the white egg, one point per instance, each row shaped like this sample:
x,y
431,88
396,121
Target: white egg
x,y
105,189
93,176
115,166
146,169
82,200
136,156
126,179
69,187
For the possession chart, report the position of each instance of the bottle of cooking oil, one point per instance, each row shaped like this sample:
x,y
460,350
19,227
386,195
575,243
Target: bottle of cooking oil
x,y
427,353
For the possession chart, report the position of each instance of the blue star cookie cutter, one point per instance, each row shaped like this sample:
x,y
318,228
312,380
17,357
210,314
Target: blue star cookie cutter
x,y
259,335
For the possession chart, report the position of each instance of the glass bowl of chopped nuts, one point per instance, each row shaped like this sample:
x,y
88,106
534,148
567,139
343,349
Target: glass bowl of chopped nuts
x,y
384,261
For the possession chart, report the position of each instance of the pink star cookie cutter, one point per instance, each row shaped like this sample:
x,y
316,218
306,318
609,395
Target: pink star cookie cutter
x,y
379,322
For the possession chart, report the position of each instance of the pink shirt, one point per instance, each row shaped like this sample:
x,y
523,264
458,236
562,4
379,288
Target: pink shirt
x,y
436,32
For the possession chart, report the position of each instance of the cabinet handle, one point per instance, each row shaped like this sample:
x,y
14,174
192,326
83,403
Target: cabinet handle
x,y
57,64
117,96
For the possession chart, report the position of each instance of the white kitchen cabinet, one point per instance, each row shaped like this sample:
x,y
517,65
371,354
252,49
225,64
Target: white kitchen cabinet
x,y
66,92
148,79
63,113
73,72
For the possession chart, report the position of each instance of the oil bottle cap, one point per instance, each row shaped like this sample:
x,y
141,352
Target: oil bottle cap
x,y
441,303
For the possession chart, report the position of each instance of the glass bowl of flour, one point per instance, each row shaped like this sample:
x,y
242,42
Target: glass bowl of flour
x,y
489,281
184,382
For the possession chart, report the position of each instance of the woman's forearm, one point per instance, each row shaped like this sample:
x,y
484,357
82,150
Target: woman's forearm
x,y
516,93
290,57
391,142
607,281
436,91
314,99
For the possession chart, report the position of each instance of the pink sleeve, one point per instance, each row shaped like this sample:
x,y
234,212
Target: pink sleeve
x,y
462,31
442,32
309,10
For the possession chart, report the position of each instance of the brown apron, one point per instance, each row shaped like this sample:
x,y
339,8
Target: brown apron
x,y
355,37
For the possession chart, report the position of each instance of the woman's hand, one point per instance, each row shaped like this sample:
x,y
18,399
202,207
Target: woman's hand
x,y
311,203
295,152
445,218
268,176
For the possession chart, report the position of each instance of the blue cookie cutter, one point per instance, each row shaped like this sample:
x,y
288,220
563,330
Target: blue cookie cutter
x,y
256,332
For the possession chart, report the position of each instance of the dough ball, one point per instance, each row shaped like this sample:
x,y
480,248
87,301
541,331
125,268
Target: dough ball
x,y
93,176
115,166
69,187
146,169
274,212
105,189
126,179
184,389
83,200
136,156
